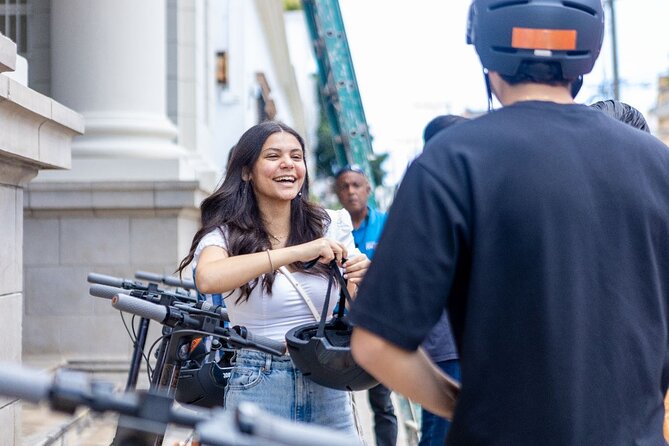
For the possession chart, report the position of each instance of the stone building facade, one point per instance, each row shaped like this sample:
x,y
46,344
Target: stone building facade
x,y
35,134
166,87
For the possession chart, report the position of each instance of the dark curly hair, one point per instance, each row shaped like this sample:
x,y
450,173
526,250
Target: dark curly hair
x,y
623,112
233,207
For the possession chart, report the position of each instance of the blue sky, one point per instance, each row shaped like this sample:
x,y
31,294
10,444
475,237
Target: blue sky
x,y
412,63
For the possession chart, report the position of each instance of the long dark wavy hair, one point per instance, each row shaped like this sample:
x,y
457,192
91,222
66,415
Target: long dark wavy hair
x,y
233,209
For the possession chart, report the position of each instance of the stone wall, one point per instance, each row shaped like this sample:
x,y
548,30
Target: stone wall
x,y
35,134
73,229
11,281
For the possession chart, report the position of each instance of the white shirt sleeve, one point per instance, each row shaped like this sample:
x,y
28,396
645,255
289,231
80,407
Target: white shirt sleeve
x,y
340,229
213,238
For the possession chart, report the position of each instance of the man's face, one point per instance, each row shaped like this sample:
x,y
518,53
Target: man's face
x,y
353,191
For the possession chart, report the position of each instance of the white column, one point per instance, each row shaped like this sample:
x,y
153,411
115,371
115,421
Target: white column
x,y
108,63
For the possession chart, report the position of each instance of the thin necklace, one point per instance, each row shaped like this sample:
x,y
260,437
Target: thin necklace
x,y
279,238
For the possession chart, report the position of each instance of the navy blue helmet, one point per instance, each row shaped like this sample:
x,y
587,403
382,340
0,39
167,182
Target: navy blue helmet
x,y
507,33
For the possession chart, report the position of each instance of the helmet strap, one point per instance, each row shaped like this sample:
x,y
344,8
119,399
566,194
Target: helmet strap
x,y
343,296
324,315
488,88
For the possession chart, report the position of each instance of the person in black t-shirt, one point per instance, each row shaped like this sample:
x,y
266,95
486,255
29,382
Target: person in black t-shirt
x,y
543,228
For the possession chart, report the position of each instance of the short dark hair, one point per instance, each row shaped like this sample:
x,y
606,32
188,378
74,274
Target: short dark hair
x,y
439,123
538,73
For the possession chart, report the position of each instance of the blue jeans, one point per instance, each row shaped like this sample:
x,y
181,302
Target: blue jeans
x,y
433,429
274,384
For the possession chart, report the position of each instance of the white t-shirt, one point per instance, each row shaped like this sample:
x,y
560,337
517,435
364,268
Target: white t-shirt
x,y
273,315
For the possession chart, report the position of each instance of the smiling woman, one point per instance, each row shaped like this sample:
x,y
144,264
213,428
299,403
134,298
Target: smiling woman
x,y
258,232
280,171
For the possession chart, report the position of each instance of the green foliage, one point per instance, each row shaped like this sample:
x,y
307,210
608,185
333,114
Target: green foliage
x,y
377,171
292,5
326,157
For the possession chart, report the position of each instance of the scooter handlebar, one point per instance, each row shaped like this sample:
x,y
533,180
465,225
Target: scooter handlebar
x,y
261,341
167,280
22,383
103,279
105,291
180,283
147,310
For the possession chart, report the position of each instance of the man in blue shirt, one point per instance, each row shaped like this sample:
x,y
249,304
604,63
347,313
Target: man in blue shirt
x,y
353,189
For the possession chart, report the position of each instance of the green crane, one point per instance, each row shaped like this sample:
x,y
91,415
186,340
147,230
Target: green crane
x,y
339,87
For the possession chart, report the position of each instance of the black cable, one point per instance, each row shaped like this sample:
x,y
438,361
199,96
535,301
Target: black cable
x,y
147,357
132,324
132,338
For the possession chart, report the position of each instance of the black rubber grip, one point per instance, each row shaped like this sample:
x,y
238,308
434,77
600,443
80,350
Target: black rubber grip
x,y
105,291
266,344
147,310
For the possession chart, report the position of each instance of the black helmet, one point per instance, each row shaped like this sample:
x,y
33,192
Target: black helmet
x,y
326,359
322,351
509,32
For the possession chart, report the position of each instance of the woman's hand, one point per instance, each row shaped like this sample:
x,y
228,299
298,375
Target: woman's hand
x,y
355,268
324,249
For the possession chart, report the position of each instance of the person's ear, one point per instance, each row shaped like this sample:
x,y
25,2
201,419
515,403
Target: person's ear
x,y
368,185
246,175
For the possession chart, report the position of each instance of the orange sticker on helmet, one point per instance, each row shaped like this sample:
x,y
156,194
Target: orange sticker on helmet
x,y
194,343
544,39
